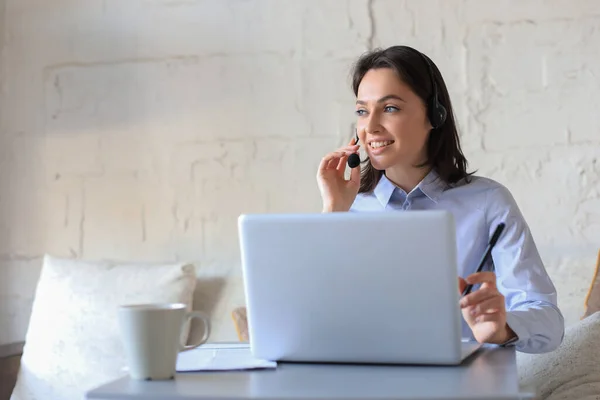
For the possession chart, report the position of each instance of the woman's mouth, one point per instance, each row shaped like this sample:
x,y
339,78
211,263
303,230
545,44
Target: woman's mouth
x,y
380,144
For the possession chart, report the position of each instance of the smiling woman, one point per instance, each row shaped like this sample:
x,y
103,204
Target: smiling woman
x,y
406,123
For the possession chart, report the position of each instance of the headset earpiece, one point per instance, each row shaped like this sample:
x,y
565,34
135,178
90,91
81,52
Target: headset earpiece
x,y
436,112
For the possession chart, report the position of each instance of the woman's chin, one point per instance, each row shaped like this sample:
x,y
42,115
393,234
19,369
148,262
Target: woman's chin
x,y
381,163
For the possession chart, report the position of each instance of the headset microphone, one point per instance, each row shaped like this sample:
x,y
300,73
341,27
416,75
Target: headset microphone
x,y
354,159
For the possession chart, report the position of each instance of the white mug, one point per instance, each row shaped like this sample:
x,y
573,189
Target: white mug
x,y
152,337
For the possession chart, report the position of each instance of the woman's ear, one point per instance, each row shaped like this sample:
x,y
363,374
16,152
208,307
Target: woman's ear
x,y
428,124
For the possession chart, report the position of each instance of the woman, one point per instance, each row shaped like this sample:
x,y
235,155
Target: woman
x,y
406,124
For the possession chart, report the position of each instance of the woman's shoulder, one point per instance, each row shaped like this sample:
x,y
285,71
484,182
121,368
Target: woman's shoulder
x,y
479,182
489,191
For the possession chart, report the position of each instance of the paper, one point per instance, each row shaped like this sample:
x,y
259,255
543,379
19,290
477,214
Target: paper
x,y
220,357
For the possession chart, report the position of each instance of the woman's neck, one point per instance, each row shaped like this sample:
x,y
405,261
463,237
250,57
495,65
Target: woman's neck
x,y
406,178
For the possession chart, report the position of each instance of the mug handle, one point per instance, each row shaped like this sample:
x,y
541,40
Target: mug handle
x,y
206,321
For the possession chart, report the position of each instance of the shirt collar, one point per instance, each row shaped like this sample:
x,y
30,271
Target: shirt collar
x,y
431,186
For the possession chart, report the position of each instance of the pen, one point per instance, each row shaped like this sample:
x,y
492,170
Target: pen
x,y
487,253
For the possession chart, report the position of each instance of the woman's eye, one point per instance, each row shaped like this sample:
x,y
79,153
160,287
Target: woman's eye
x,y
390,109
360,112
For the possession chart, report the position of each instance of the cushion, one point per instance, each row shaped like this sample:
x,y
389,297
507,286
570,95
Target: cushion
x,y
592,299
73,342
240,321
572,371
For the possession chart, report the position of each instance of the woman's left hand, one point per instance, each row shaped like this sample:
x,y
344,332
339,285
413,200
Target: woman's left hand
x,y
484,309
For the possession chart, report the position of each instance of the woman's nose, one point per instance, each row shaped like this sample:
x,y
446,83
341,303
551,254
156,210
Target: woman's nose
x,y
372,124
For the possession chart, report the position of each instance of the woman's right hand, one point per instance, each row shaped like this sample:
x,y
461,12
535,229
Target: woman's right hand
x,y
337,193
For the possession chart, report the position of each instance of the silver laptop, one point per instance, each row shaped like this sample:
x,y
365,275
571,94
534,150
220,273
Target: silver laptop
x,y
373,287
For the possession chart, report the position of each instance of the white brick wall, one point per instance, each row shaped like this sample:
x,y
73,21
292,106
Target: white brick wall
x,y
121,123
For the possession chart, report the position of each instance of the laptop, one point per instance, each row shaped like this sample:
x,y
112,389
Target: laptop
x,y
373,287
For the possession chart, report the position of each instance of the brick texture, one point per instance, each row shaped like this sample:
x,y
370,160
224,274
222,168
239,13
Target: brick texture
x,y
142,129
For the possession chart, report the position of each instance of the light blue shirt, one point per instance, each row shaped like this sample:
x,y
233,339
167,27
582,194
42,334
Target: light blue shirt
x,y
478,207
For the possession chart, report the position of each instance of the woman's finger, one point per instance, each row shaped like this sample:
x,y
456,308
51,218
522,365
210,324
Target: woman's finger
x,y
495,317
326,161
333,160
478,297
481,277
341,166
335,155
333,163
489,306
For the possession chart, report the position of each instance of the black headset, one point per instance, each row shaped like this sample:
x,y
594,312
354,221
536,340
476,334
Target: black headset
x,y
436,112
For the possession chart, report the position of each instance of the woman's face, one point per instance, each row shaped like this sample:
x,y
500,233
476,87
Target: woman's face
x,y
392,120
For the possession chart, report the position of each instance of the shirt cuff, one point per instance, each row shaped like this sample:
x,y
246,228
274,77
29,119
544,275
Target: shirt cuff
x,y
519,328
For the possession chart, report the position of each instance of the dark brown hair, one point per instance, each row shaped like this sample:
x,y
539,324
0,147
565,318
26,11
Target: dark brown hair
x,y
444,153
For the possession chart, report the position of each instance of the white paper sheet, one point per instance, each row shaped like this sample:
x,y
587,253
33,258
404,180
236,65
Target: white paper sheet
x,y
220,357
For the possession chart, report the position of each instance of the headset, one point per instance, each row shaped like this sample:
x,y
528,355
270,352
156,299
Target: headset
x,y
436,112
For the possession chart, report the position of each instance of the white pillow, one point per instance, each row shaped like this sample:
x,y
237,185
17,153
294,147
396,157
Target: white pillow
x,y
570,372
72,342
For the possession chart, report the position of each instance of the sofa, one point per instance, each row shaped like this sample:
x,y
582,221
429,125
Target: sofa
x,y
82,350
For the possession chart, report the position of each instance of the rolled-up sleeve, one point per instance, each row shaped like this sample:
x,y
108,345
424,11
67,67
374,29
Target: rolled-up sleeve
x,y
531,298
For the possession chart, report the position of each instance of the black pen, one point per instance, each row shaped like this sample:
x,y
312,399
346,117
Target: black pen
x,y
487,253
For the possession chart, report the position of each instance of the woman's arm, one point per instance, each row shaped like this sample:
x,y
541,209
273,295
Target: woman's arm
x,y
530,296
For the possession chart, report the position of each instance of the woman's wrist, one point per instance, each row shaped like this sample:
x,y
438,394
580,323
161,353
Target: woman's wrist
x,y
505,336
333,208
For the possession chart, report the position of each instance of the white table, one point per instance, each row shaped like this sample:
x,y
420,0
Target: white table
x,y
489,374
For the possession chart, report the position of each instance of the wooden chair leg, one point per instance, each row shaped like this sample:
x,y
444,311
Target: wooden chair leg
x,y
241,323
